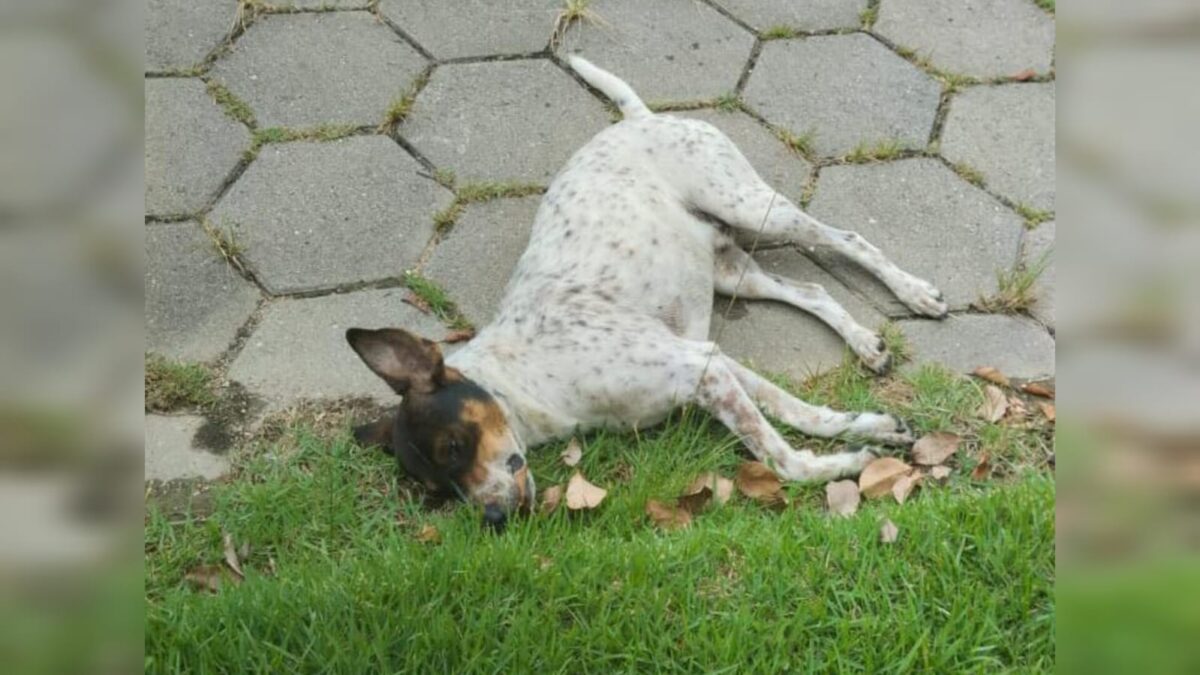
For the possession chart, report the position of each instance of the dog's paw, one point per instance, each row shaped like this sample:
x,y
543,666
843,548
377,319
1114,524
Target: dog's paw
x,y
873,351
882,428
922,297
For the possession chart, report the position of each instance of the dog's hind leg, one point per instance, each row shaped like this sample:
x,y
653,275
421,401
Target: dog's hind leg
x,y
733,265
817,420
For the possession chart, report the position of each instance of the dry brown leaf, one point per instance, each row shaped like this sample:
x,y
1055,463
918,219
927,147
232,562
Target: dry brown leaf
x,y
551,496
842,497
934,448
940,472
460,335
582,494
992,375
756,481
668,517
880,475
983,469
1038,389
573,453
231,556
889,532
418,302
1047,410
205,578
722,487
994,404
694,503
429,535
903,487
1027,74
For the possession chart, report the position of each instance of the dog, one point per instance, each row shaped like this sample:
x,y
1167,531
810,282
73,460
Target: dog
x,y
605,320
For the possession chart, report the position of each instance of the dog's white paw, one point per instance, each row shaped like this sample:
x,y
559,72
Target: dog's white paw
x,y
922,297
882,428
872,350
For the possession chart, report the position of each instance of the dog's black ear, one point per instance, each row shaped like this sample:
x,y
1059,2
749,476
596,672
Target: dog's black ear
x,y
406,362
377,434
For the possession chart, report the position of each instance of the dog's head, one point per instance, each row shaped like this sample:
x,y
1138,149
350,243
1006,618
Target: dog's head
x,y
447,432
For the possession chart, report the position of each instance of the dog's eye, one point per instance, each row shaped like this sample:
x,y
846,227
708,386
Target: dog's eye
x,y
453,450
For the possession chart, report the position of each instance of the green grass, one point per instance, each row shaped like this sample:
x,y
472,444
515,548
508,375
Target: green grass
x,y
323,132
779,33
801,143
436,298
472,193
1033,217
969,173
172,385
868,17
400,108
1015,288
881,151
231,104
968,585
1046,5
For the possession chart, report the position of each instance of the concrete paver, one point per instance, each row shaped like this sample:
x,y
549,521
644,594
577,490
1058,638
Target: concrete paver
x,y
809,15
181,33
467,28
1018,346
170,454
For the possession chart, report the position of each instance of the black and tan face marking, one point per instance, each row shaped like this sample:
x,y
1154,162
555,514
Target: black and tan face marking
x,y
447,432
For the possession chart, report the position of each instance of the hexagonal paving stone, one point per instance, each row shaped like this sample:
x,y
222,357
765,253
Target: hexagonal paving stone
x,y
180,33
510,120
171,455
846,89
982,38
1038,249
191,146
667,50
450,30
1006,132
810,15
1017,346
195,303
318,215
474,261
778,338
782,168
925,219
299,351
301,70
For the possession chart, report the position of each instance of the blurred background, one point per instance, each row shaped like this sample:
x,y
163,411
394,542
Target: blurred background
x,y
71,347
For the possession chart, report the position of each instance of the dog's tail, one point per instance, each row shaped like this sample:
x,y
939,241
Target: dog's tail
x,y
611,86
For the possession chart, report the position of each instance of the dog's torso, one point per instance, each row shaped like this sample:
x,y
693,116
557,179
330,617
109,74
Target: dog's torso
x,y
616,261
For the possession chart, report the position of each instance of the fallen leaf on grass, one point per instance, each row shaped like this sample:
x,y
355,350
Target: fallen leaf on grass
x,y
206,578
880,475
551,496
940,472
903,487
695,502
1047,410
983,469
582,494
889,532
842,498
758,482
935,448
1017,408
994,404
1038,389
722,487
231,556
429,535
668,517
573,453
418,302
1024,75
992,375
460,335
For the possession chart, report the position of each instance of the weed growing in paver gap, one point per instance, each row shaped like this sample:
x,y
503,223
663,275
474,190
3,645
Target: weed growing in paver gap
x,y
482,192
1033,217
968,173
573,11
1015,288
868,16
231,104
1046,5
802,143
881,151
324,132
173,385
952,82
224,243
897,343
400,109
445,178
728,103
779,33
439,303
443,220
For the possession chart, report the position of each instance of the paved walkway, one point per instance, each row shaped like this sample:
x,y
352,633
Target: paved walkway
x,y
301,157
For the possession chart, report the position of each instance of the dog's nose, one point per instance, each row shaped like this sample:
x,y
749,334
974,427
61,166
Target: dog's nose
x,y
494,517
515,462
